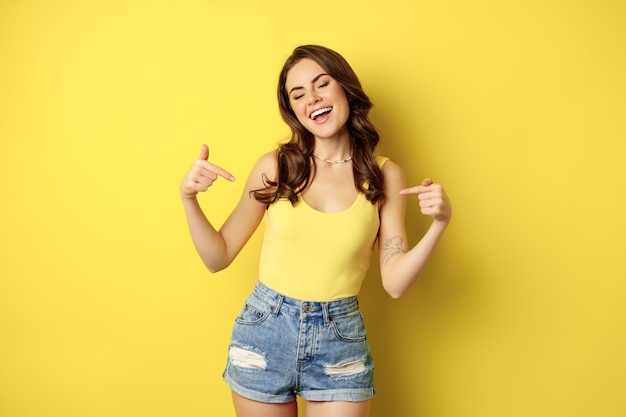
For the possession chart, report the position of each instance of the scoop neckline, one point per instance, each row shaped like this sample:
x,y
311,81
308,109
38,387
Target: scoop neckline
x,y
354,203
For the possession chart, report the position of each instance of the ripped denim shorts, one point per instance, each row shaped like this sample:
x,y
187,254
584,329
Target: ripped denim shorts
x,y
282,347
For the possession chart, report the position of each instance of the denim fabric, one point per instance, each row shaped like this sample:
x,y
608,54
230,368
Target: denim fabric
x,y
283,347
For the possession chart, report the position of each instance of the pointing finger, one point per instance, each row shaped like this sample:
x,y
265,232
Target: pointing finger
x,y
223,173
204,157
413,190
418,189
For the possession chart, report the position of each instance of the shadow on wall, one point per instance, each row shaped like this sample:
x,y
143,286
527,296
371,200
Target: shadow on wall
x,y
409,336
406,335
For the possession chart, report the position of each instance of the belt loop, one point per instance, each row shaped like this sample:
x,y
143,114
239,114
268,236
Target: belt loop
x,y
327,318
279,302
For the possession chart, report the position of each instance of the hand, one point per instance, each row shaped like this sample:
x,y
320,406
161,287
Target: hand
x,y
433,200
201,175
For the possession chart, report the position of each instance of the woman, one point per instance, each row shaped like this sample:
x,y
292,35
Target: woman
x,y
327,199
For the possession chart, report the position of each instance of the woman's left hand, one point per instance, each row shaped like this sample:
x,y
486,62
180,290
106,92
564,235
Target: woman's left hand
x,y
433,200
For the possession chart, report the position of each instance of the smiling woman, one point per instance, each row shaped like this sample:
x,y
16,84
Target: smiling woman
x,y
327,199
320,104
104,310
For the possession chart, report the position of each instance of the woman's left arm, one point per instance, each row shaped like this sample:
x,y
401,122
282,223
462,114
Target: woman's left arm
x,y
399,266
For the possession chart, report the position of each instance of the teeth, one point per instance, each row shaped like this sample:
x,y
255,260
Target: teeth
x,y
320,111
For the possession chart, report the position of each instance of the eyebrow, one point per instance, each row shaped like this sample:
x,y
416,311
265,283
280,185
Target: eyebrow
x,y
312,82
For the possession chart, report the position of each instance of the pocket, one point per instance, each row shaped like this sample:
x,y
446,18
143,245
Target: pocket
x,y
254,311
349,327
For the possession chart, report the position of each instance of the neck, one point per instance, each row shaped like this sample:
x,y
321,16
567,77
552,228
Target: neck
x,y
333,151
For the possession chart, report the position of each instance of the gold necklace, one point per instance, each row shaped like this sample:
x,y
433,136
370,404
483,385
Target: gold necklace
x,y
332,161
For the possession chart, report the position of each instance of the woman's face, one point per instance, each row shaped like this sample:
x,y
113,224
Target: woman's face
x,y
318,100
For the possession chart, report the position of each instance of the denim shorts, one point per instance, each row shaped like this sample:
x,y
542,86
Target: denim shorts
x,y
282,347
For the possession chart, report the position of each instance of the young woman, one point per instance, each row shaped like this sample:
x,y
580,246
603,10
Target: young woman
x,y
326,199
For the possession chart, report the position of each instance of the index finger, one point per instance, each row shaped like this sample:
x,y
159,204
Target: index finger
x,y
413,190
223,173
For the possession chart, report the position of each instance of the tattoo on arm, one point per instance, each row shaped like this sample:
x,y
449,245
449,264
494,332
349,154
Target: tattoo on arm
x,y
392,247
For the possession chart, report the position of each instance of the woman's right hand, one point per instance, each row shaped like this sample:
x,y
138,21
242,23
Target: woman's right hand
x,y
201,175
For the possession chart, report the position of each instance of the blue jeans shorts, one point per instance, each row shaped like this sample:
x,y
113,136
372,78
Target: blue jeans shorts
x,y
282,347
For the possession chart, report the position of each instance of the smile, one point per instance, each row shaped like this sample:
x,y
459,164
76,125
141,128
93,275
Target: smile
x,y
319,112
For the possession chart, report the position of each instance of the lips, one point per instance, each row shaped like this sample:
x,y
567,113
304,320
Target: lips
x,y
319,112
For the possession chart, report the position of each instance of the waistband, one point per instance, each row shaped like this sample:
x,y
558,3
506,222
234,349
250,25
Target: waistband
x,y
306,309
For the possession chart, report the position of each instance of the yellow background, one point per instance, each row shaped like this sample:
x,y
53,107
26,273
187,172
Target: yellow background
x,y
517,107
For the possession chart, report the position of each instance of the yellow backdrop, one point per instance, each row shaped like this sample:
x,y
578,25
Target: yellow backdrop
x,y
517,107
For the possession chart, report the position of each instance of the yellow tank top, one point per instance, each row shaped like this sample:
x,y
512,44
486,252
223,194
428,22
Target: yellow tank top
x,y
316,256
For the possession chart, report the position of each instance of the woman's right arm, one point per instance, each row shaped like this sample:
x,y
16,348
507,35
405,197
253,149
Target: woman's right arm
x,y
218,248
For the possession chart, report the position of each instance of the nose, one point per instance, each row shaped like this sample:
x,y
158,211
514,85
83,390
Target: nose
x,y
314,98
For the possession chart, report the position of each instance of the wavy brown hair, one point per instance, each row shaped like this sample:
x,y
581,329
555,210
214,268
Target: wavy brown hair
x,y
295,168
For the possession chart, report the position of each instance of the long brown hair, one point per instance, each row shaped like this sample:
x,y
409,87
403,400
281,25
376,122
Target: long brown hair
x,y
295,170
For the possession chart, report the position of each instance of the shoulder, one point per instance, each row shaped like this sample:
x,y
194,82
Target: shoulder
x,y
393,206
264,168
267,163
393,174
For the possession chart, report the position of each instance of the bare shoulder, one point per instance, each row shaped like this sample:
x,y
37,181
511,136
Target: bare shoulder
x,y
393,175
264,168
268,161
267,164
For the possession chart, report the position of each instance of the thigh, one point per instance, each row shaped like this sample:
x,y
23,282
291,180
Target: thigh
x,y
245,407
338,408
